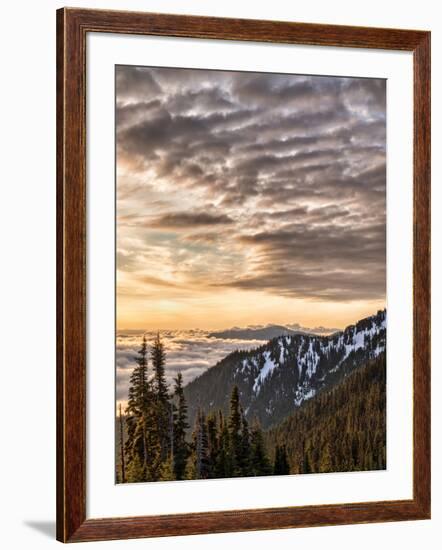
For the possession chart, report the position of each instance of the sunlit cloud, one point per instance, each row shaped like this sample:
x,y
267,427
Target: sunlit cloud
x,y
248,198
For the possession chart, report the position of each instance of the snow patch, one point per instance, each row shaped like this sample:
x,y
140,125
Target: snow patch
x,y
310,360
266,370
303,394
281,355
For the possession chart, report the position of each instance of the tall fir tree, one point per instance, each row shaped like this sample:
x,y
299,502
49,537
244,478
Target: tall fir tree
x,y
259,462
306,461
158,358
235,431
198,466
245,449
213,435
326,458
281,465
161,396
139,392
181,447
223,466
143,445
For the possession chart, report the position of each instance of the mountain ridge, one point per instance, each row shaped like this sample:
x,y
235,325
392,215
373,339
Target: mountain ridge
x,y
268,332
278,376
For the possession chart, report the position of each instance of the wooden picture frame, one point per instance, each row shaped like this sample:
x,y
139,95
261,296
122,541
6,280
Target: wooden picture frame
x,y
72,28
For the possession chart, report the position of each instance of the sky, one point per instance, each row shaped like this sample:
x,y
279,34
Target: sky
x,y
248,198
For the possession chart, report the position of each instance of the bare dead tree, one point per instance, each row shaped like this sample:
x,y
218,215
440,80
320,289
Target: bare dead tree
x,y
123,468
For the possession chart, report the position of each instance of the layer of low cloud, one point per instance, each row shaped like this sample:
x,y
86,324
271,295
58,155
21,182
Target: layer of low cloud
x,y
189,352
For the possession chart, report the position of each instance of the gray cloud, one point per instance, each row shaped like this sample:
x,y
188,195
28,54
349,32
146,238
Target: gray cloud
x,y
288,170
177,220
135,83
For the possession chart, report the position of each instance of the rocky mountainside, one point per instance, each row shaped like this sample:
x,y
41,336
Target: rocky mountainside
x,y
276,378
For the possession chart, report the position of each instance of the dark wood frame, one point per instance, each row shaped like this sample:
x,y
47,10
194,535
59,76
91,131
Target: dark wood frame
x,y
72,28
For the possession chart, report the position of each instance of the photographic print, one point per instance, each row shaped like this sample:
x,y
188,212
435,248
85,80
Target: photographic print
x,y
250,274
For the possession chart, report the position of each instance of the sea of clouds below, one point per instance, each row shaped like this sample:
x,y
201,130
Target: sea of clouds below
x,y
190,352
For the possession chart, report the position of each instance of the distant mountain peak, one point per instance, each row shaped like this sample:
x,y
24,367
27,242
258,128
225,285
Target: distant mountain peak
x,y
267,332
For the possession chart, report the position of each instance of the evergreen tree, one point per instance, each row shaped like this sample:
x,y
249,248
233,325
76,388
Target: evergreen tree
x,y
167,470
138,401
281,465
235,431
245,448
181,447
259,463
326,459
135,471
161,396
143,443
154,458
202,448
158,358
213,442
224,461
306,463
198,466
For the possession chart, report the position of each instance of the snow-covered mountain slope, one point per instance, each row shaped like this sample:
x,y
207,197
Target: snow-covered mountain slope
x,y
279,376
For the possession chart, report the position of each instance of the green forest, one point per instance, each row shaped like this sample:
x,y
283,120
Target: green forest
x,y
342,429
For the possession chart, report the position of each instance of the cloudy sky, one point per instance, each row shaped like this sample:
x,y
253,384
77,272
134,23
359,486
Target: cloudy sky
x,y
248,198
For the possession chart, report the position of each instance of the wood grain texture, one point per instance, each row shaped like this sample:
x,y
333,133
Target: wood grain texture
x,y
421,277
72,27
71,280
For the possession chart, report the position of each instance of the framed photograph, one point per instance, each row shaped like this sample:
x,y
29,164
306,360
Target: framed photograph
x,y
243,214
